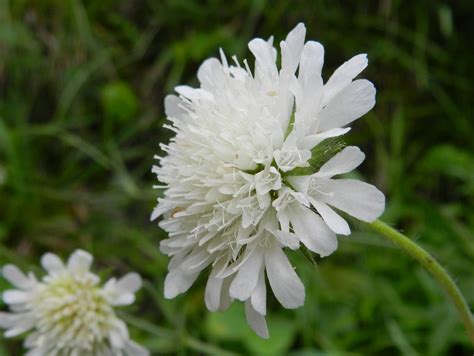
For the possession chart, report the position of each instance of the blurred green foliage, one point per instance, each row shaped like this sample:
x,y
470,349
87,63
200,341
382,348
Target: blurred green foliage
x,y
81,92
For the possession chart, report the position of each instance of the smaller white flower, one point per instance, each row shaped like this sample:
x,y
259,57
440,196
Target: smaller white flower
x,y
67,311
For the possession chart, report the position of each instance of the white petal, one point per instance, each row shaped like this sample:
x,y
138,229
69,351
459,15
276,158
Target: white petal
x,y
31,340
287,239
129,283
177,282
259,295
212,296
177,259
207,72
247,276
349,104
13,296
263,53
133,349
256,321
160,209
226,300
312,59
291,48
344,75
295,39
285,283
311,141
9,320
359,199
313,232
20,327
116,339
172,106
284,220
196,261
343,162
40,350
301,184
335,222
51,263
79,262
308,105
16,277
230,269
121,292
193,94
123,299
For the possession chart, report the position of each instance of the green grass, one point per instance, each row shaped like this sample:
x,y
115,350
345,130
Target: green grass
x,y
81,93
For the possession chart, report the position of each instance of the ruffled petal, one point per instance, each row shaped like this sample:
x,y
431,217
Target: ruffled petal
x,y
290,156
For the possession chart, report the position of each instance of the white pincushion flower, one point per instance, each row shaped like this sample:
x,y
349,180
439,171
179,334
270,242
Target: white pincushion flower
x,y
232,197
68,312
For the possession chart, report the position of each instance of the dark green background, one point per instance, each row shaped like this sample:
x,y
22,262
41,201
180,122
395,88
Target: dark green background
x,y
81,92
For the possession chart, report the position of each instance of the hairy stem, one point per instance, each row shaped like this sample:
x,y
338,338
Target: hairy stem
x,y
436,270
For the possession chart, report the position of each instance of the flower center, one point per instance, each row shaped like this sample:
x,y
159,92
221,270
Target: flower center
x,y
74,312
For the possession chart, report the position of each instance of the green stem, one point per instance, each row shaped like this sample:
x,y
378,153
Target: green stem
x,y
430,264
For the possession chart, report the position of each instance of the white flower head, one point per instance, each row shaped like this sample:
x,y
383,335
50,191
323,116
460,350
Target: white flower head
x,y
233,199
68,312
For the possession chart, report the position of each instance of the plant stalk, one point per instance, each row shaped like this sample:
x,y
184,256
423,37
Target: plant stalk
x,y
436,270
